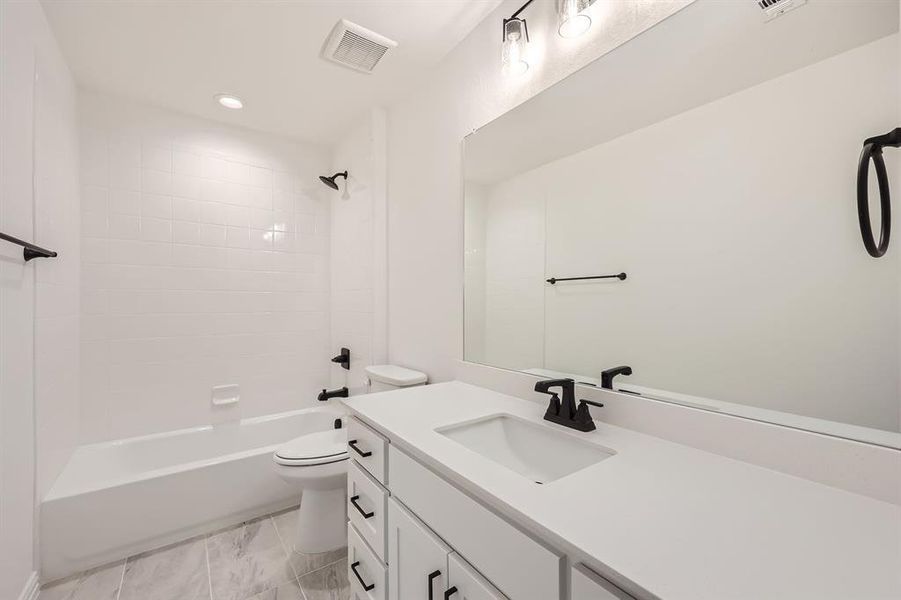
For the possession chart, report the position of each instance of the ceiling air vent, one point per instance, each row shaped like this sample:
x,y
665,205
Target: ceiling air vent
x,y
777,8
356,47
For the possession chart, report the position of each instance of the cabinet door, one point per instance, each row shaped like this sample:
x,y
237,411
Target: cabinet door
x,y
417,559
466,584
588,585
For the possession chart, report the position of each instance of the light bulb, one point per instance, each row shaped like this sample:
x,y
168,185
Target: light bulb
x,y
572,21
514,47
229,101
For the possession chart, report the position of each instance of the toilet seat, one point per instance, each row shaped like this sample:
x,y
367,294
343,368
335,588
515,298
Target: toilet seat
x,y
320,448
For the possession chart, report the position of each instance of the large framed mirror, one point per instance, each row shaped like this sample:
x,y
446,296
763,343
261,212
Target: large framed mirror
x,y
707,169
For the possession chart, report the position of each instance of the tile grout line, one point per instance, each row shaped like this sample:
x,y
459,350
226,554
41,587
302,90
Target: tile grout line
x,y
122,578
281,540
209,574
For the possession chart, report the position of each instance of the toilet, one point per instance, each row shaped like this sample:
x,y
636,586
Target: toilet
x,y
316,464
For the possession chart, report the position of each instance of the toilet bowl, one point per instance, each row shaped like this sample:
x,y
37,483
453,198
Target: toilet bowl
x,y
316,464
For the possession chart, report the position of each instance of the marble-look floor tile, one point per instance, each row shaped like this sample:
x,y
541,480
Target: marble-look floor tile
x,y
328,583
98,584
247,560
285,523
176,572
286,591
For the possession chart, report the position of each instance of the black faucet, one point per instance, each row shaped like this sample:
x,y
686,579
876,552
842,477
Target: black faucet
x,y
566,413
326,394
608,375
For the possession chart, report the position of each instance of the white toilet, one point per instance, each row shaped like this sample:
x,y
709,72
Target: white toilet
x,y
317,464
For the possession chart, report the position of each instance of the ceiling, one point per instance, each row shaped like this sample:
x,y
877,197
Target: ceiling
x,y
180,54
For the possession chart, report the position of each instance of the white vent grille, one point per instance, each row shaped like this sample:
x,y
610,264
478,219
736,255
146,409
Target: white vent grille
x,y
356,47
777,8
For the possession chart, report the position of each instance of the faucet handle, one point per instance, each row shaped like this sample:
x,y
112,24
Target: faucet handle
x,y
553,407
582,420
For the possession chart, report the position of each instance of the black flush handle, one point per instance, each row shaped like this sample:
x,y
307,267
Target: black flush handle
x,y
366,587
353,445
432,577
450,592
366,515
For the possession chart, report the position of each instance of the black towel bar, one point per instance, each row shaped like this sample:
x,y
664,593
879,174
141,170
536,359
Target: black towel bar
x,y
554,280
29,250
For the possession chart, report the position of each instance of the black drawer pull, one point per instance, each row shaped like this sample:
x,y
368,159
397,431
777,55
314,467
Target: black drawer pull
x,y
366,515
432,577
450,592
353,444
353,568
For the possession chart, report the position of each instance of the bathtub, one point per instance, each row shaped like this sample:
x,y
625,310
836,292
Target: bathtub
x,y
115,499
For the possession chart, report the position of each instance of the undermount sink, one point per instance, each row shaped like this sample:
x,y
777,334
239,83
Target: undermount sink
x,y
536,452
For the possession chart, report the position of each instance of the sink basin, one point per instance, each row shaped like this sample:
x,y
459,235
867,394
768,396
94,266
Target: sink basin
x,y
538,453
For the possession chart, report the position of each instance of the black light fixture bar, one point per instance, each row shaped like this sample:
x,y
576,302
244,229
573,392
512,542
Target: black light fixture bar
x,y
29,250
554,280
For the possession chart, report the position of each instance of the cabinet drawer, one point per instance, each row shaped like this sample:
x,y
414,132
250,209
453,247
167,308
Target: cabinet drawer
x,y
368,448
367,507
588,585
518,565
364,569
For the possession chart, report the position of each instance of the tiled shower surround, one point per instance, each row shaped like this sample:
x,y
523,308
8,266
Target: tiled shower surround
x,y
204,262
251,561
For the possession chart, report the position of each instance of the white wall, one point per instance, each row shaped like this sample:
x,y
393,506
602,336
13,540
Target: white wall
x,y
763,262
358,252
425,214
38,306
205,262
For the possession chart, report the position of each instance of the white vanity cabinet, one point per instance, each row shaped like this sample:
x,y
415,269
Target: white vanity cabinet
x,y
588,585
422,538
464,583
417,558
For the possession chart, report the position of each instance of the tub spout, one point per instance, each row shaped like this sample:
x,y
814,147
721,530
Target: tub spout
x,y
327,394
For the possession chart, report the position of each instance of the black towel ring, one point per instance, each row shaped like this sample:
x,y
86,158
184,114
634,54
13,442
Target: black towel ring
x,y
872,149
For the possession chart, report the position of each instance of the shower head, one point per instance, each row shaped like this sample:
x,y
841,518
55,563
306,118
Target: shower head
x,y
330,181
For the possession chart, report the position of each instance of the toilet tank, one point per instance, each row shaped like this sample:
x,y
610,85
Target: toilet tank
x,y
383,378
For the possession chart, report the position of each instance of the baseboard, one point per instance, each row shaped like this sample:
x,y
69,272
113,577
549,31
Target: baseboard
x,y
32,589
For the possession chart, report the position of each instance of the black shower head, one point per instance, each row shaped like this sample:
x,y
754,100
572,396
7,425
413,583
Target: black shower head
x,y
330,181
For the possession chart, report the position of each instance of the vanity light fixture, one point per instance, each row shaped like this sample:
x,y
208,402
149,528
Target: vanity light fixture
x,y
516,40
572,21
229,101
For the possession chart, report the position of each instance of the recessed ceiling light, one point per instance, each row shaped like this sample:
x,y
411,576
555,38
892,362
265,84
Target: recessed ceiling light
x,y
229,101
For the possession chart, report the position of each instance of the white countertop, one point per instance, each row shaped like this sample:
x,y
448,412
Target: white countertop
x,y
680,523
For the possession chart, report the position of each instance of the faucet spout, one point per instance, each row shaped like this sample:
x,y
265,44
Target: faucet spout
x,y
339,393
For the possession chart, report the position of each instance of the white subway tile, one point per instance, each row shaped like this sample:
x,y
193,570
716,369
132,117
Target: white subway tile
x,y
124,202
187,163
156,230
125,178
124,227
156,182
94,224
155,205
185,209
184,232
212,235
156,157
94,198
187,186
237,237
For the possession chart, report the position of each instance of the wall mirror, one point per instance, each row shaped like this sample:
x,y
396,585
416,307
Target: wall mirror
x,y
713,161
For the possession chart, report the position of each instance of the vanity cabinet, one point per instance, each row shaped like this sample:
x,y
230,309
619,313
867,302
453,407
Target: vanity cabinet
x,y
588,585
422,538
417,558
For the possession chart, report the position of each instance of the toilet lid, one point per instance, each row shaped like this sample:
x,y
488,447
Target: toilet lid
x,y
318,448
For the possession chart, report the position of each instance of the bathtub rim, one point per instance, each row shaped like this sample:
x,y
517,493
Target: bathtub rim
x,y
53,494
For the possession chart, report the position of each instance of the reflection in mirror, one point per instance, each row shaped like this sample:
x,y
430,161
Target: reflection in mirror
x,y
713,160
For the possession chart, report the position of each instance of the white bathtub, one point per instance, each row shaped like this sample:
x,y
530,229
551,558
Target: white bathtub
x,y
115,499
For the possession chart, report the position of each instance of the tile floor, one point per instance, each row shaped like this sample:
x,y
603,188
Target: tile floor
x,y
251,561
